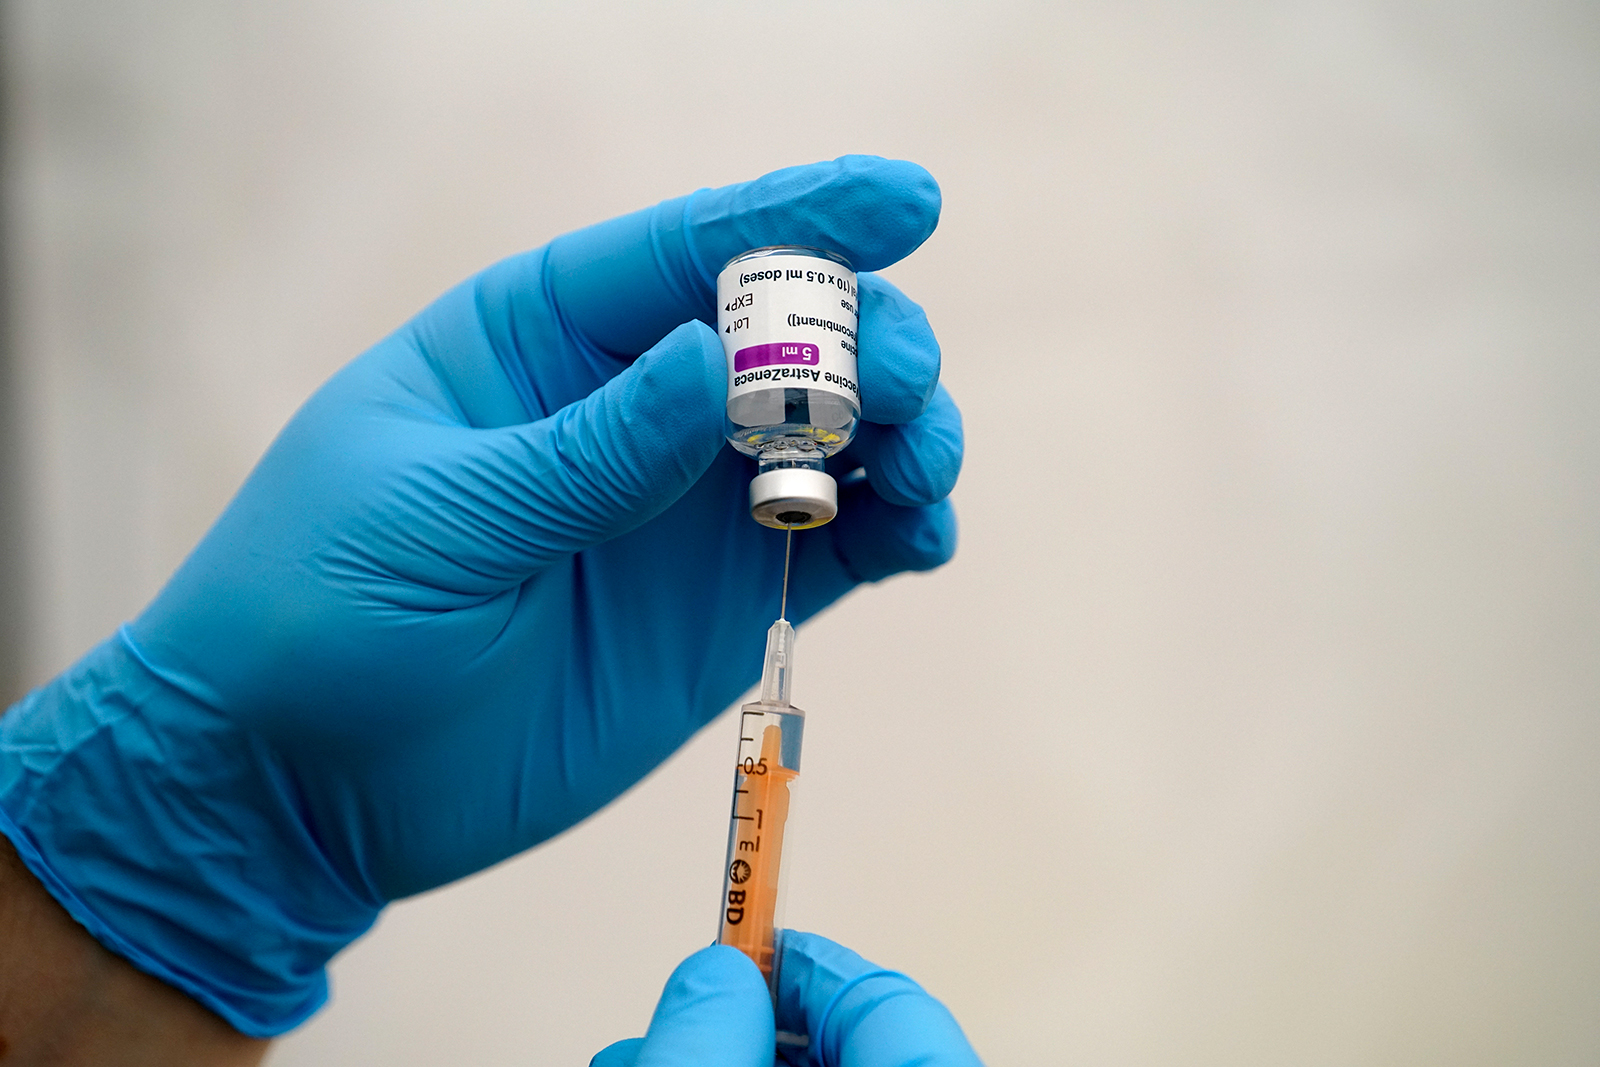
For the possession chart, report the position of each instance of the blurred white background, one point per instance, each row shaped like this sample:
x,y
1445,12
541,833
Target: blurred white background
x,y
1257,720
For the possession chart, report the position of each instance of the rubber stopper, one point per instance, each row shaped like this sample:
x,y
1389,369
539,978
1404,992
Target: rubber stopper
x,y
793,498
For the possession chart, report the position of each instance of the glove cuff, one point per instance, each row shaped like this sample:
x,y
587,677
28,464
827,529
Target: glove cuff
x,y
173,836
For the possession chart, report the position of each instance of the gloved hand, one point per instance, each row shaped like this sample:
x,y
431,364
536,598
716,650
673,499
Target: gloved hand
x,y
492,573
715,1012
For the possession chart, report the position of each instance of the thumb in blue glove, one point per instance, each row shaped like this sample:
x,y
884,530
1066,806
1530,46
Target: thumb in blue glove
x,y
714,1012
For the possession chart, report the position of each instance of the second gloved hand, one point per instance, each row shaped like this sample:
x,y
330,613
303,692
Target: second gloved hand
x,y
491,574
715,1012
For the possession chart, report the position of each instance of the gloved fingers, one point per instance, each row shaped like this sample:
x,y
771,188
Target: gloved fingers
x,y
623,284
714,1012
619,1054
525,495
871,540
898,362
914,463
857,1014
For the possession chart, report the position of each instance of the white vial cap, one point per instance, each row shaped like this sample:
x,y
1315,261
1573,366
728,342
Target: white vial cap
x,y
793,498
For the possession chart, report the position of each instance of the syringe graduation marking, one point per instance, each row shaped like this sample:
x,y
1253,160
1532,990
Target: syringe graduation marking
x,y
762,800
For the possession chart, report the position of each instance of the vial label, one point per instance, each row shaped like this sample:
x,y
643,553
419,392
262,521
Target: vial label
x,y
788,320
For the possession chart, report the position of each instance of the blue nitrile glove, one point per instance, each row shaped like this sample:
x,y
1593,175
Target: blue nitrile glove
x,y
715,1012
492,573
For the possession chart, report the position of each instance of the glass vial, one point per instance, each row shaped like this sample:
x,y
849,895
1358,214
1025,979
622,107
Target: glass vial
x,y
788,317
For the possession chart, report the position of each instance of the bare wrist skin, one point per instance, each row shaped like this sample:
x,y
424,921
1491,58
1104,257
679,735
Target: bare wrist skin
x,y
66,1001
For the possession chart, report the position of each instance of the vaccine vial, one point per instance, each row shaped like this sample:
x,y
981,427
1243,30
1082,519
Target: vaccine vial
x,y
788,317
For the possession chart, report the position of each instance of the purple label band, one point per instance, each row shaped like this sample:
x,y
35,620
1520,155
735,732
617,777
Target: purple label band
x,y
782,352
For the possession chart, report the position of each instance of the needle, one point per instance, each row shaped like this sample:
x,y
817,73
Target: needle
x,y
788,539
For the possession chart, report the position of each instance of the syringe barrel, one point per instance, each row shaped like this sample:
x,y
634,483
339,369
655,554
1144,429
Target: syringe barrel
x,y
764,780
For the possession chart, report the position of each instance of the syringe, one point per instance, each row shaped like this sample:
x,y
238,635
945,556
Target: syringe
x,y
764,778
